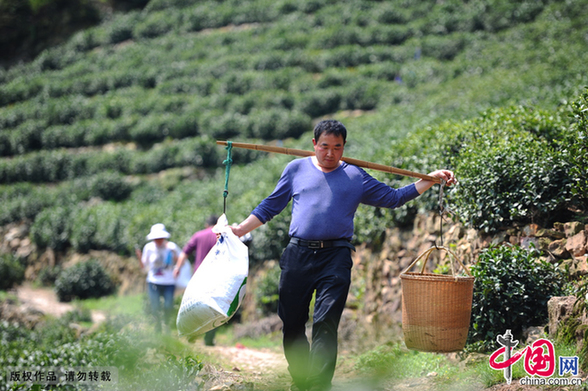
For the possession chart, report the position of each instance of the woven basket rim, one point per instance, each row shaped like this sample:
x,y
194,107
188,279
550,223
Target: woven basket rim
x,y
434,277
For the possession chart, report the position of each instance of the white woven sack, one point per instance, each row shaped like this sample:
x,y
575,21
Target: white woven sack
x,y
217,288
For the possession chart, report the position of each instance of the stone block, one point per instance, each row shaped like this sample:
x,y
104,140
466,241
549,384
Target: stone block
x,y
572,228
530,230
576,244
559,309
558,249
550,233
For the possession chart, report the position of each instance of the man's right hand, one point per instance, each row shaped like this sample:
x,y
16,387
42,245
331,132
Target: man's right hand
x,y
248,225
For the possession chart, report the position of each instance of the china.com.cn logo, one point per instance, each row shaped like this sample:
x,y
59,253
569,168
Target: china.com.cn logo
x,y
539,360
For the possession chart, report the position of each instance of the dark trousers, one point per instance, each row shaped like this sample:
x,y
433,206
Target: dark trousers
x,y
304,270
209,337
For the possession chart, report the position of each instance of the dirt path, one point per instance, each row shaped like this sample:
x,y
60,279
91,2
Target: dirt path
x,y
45,300
241,368
237,368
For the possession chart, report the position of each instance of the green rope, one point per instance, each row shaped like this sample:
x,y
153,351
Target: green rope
x,y
227,162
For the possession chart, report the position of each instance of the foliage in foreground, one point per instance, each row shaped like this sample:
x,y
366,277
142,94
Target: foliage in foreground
x,y
511,292
143,360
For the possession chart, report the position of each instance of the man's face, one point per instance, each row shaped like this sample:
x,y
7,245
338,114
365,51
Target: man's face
x,y
328,150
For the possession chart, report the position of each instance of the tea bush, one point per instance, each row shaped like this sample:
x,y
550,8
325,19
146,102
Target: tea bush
x,y
514,181
278,124
515,165
156,24
84,227
110,185
26,137
266,294
511,290
83,281
23,202
101,226
320,102
11,272
48,275
111,224
513,170
52,228
575,146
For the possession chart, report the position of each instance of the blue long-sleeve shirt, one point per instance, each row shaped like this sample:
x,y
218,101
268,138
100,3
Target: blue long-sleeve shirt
x,y
324,204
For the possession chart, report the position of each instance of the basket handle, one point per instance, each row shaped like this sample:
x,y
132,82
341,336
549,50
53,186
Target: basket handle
x,y
428,252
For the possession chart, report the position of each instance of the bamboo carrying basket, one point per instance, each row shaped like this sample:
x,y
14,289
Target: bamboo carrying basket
x,y
436,308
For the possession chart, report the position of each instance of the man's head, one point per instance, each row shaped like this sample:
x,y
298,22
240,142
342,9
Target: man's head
x,y
329,143
330,126
211,220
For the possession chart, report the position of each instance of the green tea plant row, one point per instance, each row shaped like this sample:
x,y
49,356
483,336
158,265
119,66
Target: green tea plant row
x,y
406,19
255,122
177,102
333,26
60,165
182,205
23,201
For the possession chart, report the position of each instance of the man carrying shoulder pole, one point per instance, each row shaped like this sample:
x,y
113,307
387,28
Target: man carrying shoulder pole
x,y
325,193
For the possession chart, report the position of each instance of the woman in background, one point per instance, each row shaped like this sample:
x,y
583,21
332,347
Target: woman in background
x,y
158,258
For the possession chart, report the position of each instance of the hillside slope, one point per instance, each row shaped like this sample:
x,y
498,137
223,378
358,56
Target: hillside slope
x,y
114,130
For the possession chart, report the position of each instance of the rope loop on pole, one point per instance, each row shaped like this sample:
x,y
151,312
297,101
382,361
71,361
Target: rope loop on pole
x,y
441,210
227,162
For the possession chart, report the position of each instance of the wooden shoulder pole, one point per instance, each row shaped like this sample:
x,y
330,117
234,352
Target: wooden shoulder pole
x,y
355,162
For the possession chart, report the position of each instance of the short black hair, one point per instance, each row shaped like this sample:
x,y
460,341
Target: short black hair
x,y
211,220
330,126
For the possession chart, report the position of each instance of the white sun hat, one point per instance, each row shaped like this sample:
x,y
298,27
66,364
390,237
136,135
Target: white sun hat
x,y
158,231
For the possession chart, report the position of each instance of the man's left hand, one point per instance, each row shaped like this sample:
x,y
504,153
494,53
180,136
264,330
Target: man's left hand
x,y
446,175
